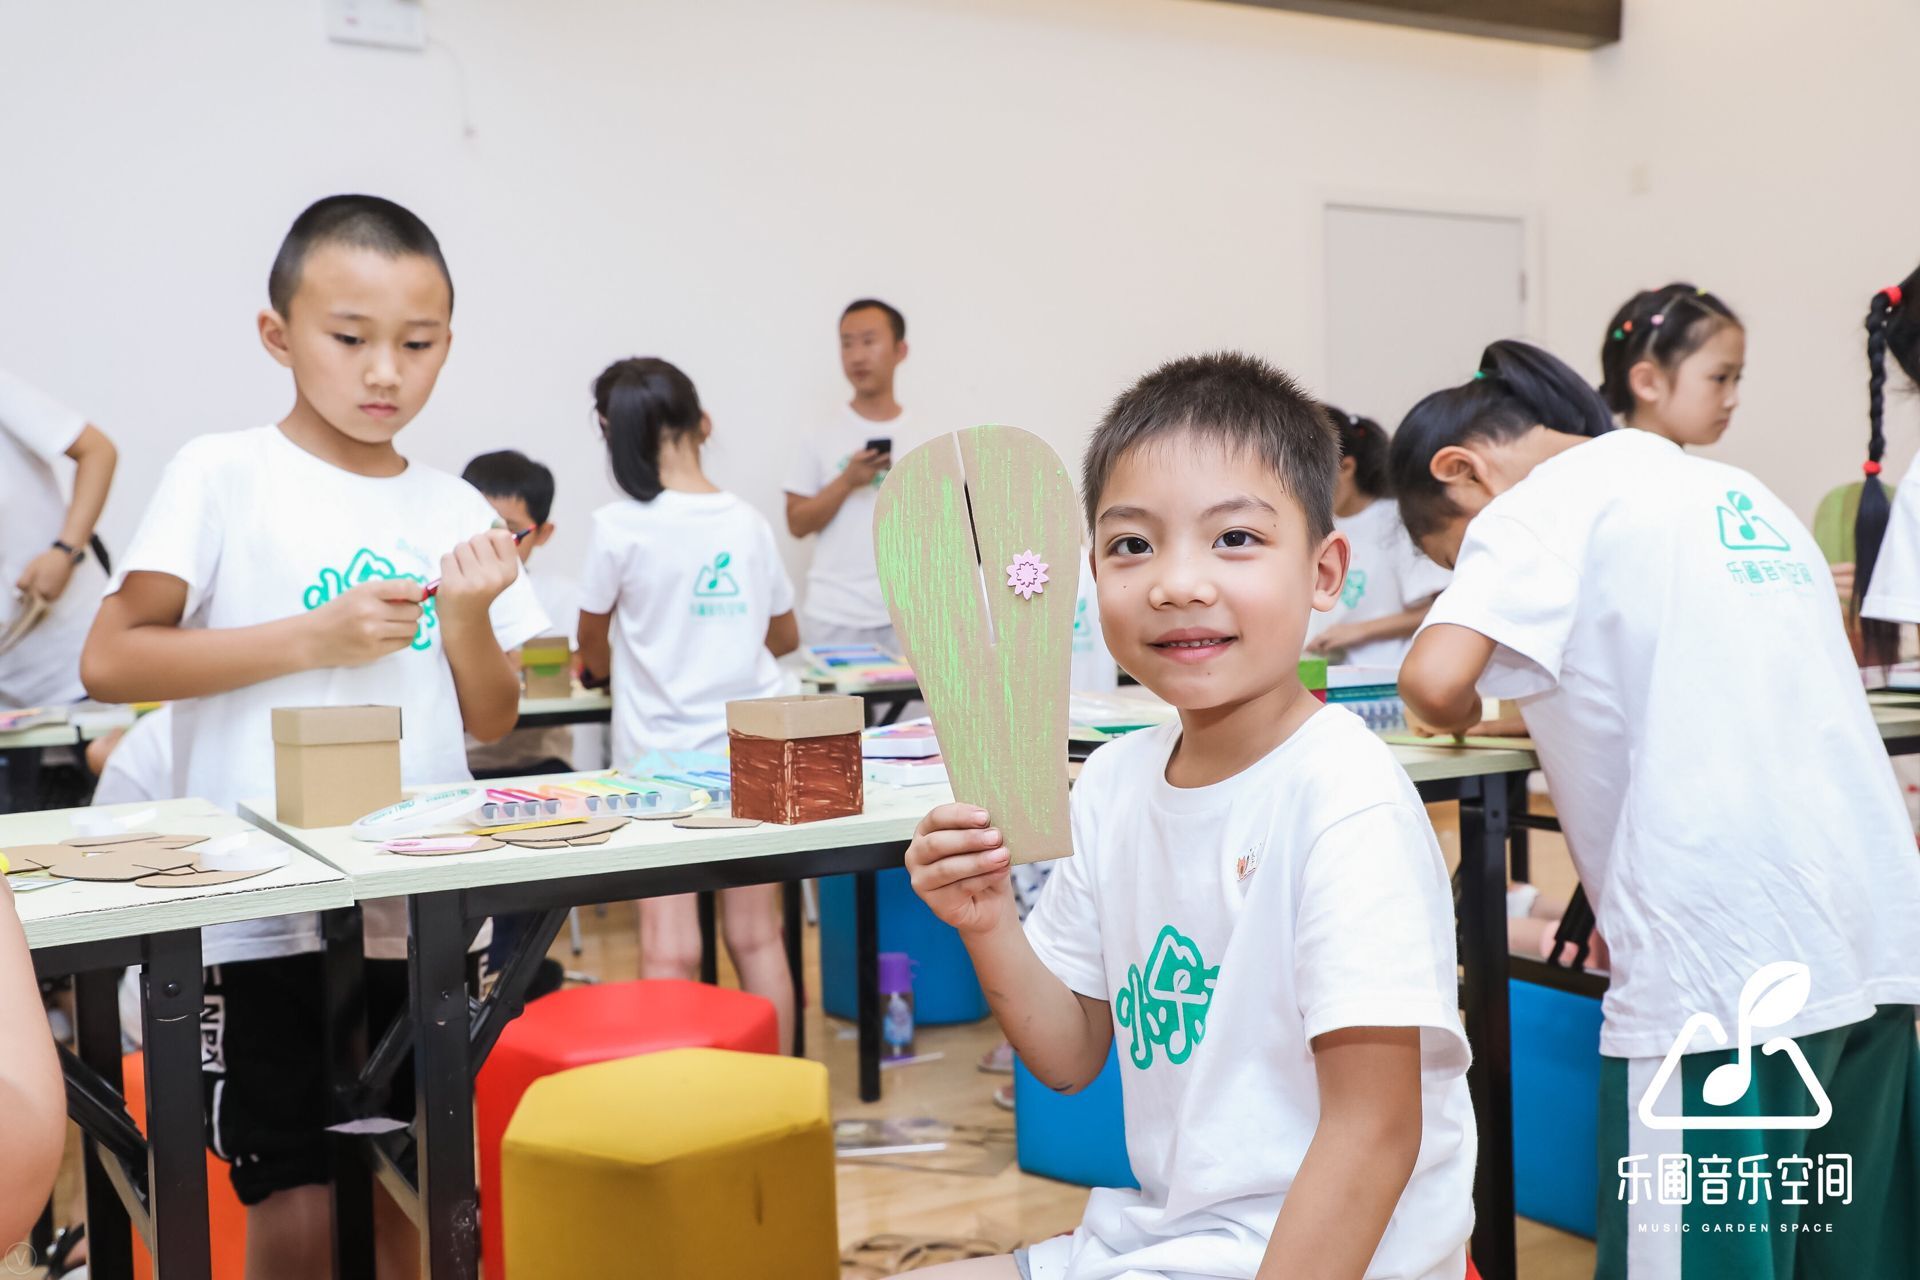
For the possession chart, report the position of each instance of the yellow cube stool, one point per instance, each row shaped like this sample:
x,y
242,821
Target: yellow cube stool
x,y
683,1164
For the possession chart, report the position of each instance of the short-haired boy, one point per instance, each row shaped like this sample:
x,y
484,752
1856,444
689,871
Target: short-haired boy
x,y
285,566
1256,906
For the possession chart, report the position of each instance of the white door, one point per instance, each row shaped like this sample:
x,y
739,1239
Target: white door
x,y
1412,297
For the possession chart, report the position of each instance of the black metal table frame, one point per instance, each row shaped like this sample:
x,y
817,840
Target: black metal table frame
x,y
451,1033
156,1185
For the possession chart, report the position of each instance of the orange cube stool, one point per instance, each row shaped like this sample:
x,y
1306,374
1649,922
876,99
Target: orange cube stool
x,y
226,1216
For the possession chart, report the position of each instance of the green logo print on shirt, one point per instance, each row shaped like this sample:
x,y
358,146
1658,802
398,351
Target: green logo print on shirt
x,y
1354,588
1167,1005
366,566
1741,530
715,589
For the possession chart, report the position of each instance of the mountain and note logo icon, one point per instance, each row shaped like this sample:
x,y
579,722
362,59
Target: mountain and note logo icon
x,y
1773,997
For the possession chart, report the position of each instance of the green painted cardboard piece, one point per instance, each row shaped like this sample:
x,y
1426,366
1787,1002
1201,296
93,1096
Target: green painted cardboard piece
x,y
954,519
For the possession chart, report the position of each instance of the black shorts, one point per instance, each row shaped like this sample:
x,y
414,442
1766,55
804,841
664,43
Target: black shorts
x,y
263,1067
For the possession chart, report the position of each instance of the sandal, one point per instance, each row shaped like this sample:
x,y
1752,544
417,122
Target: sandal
x,y
934,1253
875,1258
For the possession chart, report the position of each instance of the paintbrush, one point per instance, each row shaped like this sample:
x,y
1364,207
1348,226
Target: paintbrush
x,y
433,588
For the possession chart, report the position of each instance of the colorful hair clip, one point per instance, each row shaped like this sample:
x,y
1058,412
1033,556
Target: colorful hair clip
x,y
1871,467
1619,335
1478,374
1893,295
1655,322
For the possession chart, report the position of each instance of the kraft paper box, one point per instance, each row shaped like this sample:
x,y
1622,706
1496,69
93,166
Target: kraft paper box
x,y
333,765
547,664
797,759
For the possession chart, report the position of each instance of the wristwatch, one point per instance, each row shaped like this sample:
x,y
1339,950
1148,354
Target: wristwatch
x,y
74,554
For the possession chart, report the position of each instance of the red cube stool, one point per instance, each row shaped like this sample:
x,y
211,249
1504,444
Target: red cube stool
x,y
585,1025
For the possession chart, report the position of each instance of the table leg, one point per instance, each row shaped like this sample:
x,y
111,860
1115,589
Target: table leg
x,y
437,978
96,1006
866,951
1483,959
1519,839
346,1049
709,938
171,999
793,929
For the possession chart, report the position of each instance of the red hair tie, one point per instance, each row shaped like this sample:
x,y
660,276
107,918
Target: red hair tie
x,y
1893,295
1871,468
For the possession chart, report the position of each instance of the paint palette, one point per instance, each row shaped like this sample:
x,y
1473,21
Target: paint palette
x,y
596,796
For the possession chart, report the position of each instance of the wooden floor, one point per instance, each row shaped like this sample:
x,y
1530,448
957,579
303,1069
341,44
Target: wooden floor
x,y
1006,1207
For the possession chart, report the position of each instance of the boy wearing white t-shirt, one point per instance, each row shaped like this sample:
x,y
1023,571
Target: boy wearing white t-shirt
x,y
1675,643
285,566
44,562
1256,906
833,483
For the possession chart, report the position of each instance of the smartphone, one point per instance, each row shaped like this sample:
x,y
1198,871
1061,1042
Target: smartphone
x,y
881,444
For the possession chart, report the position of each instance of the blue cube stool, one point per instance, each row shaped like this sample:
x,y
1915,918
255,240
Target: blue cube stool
x,y
1556,1106
1073,1137
944,988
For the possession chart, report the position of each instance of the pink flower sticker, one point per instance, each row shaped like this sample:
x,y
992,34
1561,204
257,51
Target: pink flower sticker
x,y
1027,575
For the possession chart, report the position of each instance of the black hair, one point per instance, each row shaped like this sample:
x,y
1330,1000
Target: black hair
x,y
1518,387
512,474
1892,325
894,318
1363,440
1233,399
1663,325
362,222
644,400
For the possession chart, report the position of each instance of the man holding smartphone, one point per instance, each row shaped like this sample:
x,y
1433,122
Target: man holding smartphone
x,y
832,485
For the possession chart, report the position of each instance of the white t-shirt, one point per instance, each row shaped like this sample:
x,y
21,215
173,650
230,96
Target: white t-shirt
x,y
843,586
259,530
692,580
1673,637
141,766
1894,592
35,434
1094,670
1387,575
1228,926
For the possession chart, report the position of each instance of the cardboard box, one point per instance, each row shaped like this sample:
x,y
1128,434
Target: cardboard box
x,y
807,715
334,765
797,759
546,665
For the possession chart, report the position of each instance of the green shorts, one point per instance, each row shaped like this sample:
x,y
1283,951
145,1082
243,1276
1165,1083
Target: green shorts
x,y
1776,1203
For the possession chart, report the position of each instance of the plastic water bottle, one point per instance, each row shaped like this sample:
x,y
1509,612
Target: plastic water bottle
x,y
896,1004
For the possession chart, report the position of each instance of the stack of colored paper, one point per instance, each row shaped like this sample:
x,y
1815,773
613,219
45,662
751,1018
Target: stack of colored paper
x,y
857,664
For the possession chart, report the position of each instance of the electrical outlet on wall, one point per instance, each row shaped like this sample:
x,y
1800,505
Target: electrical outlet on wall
x,y
391,24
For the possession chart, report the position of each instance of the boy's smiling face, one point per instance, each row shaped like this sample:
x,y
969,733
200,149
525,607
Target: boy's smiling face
x,y
1207,572
365,335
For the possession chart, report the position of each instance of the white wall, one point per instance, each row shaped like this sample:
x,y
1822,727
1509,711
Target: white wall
x,y
1058,193
1755,149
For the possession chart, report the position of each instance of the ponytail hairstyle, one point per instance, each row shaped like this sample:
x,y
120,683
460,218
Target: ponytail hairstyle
x,y
644,403
1363,440
1518,387
1892,325
1662,325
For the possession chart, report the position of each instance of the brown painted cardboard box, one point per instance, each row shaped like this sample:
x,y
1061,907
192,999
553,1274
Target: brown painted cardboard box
x,y
548,666
333,765
796,759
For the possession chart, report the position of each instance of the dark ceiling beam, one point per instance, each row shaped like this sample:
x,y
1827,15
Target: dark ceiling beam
x,y
1573,24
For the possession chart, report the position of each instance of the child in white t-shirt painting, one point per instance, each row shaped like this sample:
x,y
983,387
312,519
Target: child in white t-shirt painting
x,y
1675,643
1389,583
286,566
685,604
1256,906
